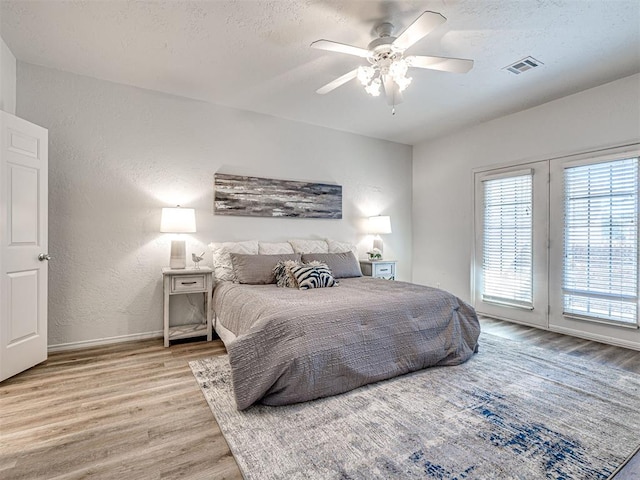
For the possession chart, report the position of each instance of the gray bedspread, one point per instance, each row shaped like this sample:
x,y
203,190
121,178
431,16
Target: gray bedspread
x,y
297,345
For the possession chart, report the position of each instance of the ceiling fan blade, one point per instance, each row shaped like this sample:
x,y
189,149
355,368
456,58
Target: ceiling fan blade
x,y
422,26
392,91
337,82
444,64
340,48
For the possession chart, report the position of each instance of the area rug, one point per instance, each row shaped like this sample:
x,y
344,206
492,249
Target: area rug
x,y
513,411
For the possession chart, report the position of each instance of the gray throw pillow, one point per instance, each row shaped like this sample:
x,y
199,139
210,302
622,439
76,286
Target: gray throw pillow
x,y
342,265
258,269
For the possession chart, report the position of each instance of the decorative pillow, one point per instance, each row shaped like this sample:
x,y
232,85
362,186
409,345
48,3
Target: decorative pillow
x,y
274,248
342,265
313,276
309,246
339,247
282,272
222,266
257,269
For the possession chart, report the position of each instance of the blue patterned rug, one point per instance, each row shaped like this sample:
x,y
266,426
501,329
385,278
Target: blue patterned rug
x,y
511,412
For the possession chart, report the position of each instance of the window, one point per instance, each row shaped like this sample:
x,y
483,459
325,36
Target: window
x,y
507,240
600,268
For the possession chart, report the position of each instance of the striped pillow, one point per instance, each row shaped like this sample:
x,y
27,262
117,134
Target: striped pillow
x,y
315,275
282,272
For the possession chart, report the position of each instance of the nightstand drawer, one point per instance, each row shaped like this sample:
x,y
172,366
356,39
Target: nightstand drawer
x,y
188,283
379,268
384,270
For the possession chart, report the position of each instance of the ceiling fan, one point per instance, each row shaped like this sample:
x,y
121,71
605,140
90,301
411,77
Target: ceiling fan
x,y
388,64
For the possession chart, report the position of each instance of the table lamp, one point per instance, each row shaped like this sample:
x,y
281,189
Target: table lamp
x,y
380,224
178,220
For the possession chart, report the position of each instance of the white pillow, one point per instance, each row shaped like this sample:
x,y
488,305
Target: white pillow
x,y
222,266
341,247
274,248
301,245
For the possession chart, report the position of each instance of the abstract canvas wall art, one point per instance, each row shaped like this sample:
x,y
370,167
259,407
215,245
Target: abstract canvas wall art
x,y
267,197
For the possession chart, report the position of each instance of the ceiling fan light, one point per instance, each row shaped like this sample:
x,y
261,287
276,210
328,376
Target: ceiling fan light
x,y
403,82
398,68
365,74
373,88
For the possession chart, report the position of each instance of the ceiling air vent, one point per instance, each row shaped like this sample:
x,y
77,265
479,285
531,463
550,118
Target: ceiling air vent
x,y
523,65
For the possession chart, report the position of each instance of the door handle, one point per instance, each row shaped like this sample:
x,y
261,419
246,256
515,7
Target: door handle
x,y
44,256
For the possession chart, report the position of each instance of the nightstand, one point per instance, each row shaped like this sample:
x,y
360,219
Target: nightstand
x,y
379,268
181,282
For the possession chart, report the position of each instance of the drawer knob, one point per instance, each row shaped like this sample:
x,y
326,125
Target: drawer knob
x,y
188,283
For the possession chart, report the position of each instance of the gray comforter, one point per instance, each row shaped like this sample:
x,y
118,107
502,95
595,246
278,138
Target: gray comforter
x,y
296,345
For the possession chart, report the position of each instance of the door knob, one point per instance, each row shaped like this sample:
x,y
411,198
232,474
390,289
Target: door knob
x,y
44,256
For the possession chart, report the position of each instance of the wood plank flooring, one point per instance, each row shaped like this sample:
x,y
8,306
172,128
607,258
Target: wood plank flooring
x,y
126,411
134,411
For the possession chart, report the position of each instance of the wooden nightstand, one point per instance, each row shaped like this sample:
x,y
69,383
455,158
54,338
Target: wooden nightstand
x,y
379,268
180,282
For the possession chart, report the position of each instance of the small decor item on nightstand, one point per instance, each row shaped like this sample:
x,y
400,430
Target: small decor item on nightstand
x,y
375,254
196,260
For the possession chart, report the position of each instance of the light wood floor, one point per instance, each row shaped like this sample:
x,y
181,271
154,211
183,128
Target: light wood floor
x,y
134,410
127,411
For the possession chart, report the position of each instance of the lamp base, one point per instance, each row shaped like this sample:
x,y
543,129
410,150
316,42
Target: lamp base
x,y
377,243
178,254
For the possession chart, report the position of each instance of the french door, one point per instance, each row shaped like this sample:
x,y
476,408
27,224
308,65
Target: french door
x,y
510,254
594,238
556,244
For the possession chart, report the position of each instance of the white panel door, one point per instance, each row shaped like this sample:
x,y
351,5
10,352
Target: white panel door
x,y
23,244
533,311
602,220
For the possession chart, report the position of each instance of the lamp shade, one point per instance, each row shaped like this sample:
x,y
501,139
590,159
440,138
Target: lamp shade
x,y
178,220
380,224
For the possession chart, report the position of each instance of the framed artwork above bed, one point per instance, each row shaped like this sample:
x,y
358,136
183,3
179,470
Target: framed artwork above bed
x,y
267,197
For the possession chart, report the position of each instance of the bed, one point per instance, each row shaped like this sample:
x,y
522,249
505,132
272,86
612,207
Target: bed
x,y
288,345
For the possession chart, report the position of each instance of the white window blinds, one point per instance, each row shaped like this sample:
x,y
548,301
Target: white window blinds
x,y
507,240
600,276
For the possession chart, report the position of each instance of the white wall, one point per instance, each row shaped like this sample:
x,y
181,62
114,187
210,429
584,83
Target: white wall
x,y
607,115
118,154
604,116
7,79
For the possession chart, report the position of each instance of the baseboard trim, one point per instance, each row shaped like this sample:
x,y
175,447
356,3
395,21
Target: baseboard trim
x,y
595,337
573,333
511,320
104,341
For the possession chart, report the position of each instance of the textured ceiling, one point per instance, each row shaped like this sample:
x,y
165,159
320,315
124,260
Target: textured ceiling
x,y
255,55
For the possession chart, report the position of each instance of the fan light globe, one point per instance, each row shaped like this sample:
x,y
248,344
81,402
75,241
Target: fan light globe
x,y
365,74
398,68
373,88
403,82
